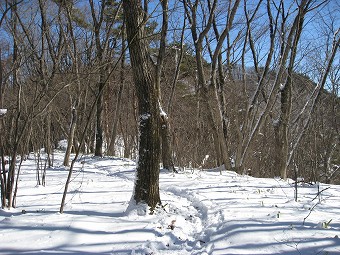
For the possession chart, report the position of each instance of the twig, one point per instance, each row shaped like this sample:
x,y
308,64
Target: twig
x,y
310,211
319,192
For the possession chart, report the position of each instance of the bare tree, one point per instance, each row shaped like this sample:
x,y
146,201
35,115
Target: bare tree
x,y
191,11
164,118
212,92
119,95
146,188
103,49
290,37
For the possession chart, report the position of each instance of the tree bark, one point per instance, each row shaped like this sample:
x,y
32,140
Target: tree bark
x,y
146,188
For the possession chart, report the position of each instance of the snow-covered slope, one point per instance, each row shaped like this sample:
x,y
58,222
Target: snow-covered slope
x,y
204,213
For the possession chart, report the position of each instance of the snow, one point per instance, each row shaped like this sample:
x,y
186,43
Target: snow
x,y
203,213
3,112
282,87
145,116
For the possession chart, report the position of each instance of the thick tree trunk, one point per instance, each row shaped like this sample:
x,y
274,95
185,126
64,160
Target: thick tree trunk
x,y
147,179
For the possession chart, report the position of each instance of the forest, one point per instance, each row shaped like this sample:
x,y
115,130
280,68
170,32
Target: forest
x,y
247,86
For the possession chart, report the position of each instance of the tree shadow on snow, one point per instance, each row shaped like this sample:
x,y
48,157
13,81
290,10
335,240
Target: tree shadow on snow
x,y
288,238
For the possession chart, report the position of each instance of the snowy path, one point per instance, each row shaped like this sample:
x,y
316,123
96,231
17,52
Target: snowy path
x,y
204,213
244,215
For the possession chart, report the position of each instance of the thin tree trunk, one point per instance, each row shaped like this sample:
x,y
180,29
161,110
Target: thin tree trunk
x,y
81,143
70,137
2,165
204,90
16,85
314,97
177,69
286,96
164,118
111,149
2,172
252,122
166,144
99,122
48,143
16,183
101,42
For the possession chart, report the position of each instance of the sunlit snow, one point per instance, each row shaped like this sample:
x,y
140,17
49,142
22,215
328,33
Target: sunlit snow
x,y
204,213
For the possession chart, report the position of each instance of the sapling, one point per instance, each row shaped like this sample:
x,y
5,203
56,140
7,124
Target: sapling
x,y
326,224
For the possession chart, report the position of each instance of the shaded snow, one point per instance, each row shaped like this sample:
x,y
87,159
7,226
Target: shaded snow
x,y
204,213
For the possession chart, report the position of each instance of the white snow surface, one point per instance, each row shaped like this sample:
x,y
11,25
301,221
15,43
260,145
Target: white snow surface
x,y
204,213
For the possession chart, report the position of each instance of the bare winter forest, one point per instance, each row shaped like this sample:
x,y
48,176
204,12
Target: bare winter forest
x,y
249,85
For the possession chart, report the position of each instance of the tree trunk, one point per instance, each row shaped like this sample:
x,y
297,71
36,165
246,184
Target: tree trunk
x,y
101,42
204,89
2,164
283,131
2,171
111,148
286,95
70,137
147,179
164,118
166,144
48,143
99,123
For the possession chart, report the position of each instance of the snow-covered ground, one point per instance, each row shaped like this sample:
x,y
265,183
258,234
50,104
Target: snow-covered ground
x,y
204,213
